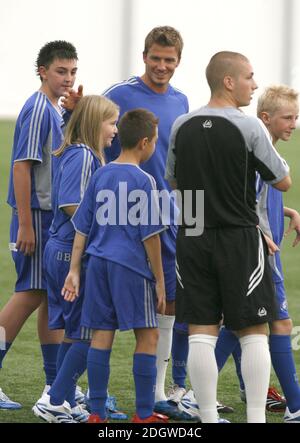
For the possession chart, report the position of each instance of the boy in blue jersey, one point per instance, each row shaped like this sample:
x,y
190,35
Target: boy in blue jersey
x,y
161,55
119,219
92,127
38,131
278,108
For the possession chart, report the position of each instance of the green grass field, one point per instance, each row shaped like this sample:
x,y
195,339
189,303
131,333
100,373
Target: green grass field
x,y
22,375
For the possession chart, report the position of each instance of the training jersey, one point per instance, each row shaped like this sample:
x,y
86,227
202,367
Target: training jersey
x,y
73,170
271,220
218,150
118,212
134,93
38,132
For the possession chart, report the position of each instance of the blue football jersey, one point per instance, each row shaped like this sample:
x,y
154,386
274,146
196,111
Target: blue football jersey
x,y
134,93
118,212
38,132
73,170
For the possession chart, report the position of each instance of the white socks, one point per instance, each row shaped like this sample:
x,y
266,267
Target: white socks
x,y
165,324
203,372
256,367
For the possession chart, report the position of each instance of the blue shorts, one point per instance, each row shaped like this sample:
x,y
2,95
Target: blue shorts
x,y
116,298
62,314
282,304
30,269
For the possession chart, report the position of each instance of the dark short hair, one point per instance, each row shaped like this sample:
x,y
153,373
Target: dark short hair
x,y
136,125
57,49
164,36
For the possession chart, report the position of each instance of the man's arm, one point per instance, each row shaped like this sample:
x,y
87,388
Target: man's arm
x,y
70,289
22,187
284,184
153,250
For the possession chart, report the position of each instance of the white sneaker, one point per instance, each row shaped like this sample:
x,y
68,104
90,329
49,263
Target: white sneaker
x,y
53,414
79,395
80,414
190,406
46,390
7,403
291,417
175,394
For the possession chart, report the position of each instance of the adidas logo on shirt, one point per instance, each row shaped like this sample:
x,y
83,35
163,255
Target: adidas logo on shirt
x,y
207,124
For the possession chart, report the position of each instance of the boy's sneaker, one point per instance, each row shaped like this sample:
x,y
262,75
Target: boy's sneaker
x,y
275,401
224,409
79,395
291,417
53,414
190,406
7,403
80,414
154,418
94,418
111,408
176,393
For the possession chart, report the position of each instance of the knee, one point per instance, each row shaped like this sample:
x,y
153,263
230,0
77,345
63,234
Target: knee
x,y
281,327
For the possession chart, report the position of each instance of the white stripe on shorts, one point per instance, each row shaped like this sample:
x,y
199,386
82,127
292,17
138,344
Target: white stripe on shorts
x,y
257,274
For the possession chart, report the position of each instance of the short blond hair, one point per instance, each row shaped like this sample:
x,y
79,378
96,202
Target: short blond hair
x,y
274,97
222,64
85,124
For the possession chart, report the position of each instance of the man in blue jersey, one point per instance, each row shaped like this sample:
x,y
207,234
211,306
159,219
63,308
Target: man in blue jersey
x,y
224,270
161,55
38,131
119,219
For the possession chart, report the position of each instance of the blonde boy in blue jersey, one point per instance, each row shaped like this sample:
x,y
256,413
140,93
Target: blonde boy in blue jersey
x,y
122,291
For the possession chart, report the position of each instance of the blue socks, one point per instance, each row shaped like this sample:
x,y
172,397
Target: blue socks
x,y
98,375
3,352
72,367
50,356
180,350
226,344
144,373
284,366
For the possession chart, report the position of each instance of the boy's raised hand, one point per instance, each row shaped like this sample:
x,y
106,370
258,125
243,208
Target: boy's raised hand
x,y
294,225
71,98
70,289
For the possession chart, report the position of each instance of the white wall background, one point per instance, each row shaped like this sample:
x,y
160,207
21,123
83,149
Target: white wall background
x,y
109,36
